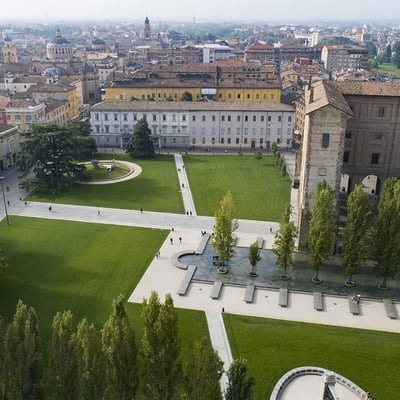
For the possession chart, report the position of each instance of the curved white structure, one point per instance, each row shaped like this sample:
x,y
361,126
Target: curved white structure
x,y
315,383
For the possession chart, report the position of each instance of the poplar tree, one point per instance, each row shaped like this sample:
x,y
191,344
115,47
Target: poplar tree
x,y
203,372
321,234
356,233
386,232
22,358
64,358
284,243
254,258
160,348
240,385
119,347
225,225
91,361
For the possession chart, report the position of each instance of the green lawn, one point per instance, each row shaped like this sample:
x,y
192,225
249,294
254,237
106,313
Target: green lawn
x,y
155,189
273,347
258,189
388,69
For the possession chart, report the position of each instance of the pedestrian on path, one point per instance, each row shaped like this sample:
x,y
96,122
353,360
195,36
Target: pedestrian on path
x,y
171,241
98,212
141,209
180,240
8,203
50,208
26,203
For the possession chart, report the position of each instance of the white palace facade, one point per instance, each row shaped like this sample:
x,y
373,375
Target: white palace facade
x,y
188,125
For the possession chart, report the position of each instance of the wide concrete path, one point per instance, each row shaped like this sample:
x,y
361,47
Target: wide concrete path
x,y
187,198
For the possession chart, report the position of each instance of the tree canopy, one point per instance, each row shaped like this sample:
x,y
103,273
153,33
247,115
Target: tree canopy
x,y
225,225
51,151
141,144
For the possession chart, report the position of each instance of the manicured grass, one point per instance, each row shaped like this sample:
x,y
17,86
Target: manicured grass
x,y
59,265
258,189
155,189
101,172
273,347
387,69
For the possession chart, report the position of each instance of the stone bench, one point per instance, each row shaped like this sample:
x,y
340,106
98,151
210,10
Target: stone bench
x,y
248,296
318,304
390,308
186,280
203,243
283,297
175,259
216,290
354,308
260,242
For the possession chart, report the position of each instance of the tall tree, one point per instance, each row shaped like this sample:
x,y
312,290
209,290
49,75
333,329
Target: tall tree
x,y
240,385
91,361
51,151
284,243
64,358
141,144
387,55
160,348
203,372
3,369
321,233
396,54
119,346
225,225
22,357
356,233
254,257
386,232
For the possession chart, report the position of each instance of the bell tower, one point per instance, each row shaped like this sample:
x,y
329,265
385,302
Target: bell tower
x,y
9,52
147,31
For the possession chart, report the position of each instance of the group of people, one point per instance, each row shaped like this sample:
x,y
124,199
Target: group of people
x,y
356,299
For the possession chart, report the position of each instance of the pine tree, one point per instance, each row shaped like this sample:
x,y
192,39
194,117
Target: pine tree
x,y
64,358
141,144
356,233
160,348
203,372
225,225
119,347
22,357
240,385
322,227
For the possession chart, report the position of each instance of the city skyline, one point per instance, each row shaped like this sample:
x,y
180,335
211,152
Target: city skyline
x,y
289,11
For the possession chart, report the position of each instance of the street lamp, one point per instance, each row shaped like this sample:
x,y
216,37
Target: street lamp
x,y
213,143
58,184
50,165
4,199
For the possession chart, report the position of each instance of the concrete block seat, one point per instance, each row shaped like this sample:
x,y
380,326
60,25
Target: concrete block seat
x,y
318,303
249,294
390,308
283,297
216,290
186,280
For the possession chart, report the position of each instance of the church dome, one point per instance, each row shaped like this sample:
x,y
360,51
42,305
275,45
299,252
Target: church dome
x,y
59,47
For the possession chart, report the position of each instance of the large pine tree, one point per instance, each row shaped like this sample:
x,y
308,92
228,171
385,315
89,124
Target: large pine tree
x,y
141,144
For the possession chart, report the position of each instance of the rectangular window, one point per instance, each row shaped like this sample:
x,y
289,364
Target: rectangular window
x,y
96,116
229,118
237,131
246,131
325,140
254,118
164,117
381,112
262,118
222,131
269,118
229,140
246,118
245,140
375,158
134,117
115,117
237,140
203,118
184,117
213,118
222,118
248,96
346,156
222,140
193,118
238,118
289,118
125,116
238,96
347,135
279,118
154,117
213,131
228,131
203,140
173,117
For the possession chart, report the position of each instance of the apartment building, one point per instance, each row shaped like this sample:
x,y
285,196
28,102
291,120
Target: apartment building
x,y
9,146
221,82
195,124
344,57
22,113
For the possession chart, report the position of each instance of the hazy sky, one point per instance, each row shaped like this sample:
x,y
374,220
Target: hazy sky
x,y
201,10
